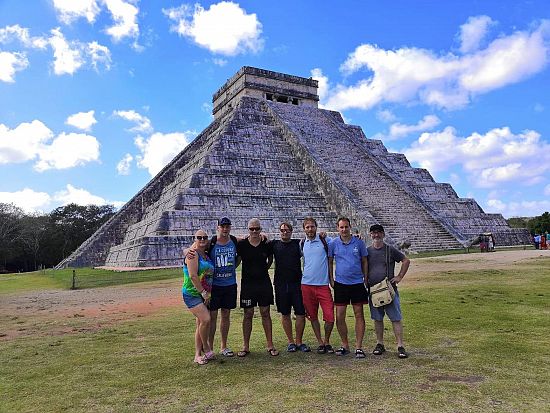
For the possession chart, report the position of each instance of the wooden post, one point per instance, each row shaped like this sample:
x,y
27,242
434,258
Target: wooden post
x,y
73,286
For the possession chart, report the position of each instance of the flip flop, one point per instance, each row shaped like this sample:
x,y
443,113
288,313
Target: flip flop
x,y
227,352
210,356
243,353
201,361
273,352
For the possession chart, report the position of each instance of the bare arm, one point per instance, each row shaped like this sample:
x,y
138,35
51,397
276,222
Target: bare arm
x,y
365,269
331,271
404,268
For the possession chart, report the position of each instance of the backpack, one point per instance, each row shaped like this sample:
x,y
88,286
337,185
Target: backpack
x,y
214,240
323,240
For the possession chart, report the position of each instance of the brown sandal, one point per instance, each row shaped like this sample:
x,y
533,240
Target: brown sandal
x,y
273,352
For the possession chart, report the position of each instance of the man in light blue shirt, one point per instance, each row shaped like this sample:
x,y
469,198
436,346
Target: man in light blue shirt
x,y
316,284
350,255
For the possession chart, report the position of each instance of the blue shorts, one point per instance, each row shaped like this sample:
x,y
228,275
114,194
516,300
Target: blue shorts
x,y
192,301
392,310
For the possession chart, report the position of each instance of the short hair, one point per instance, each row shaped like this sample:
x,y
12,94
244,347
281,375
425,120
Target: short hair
x,y
287,224
254,221
343,219
309,219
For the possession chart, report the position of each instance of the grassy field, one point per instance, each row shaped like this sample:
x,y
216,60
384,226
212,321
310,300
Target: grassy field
x,y
478,342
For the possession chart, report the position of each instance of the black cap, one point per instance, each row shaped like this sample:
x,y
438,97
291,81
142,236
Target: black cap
x,y
376,228
224,221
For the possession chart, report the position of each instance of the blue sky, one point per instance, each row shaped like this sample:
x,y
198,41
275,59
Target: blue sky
x,y
96,96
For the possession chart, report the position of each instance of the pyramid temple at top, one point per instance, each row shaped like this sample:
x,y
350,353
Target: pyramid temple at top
x,y
271,153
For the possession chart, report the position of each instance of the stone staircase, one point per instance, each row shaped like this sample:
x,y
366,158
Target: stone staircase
x,y
404,218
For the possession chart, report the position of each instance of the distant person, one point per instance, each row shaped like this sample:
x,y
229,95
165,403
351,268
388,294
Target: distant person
x,y
543,241
536,239
380,255
197,285
256,287
349,253
287,283
316,285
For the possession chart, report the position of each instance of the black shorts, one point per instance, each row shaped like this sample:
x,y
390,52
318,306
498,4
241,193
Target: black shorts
x,y
223,297
288,296
354,293
256,295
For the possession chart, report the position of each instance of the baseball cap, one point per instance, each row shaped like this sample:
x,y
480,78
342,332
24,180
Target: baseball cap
x,y
224,221
376,228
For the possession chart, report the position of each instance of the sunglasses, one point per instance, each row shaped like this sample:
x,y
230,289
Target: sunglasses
x,y
255,229
201,237
285,230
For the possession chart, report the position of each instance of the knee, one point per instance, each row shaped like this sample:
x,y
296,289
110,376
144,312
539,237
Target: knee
x,y
248,315
265,313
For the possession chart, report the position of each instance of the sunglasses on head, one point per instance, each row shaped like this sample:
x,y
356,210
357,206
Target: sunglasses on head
x,y
256,229
201,237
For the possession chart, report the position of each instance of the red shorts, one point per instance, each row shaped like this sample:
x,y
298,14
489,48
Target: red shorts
x,y
315,295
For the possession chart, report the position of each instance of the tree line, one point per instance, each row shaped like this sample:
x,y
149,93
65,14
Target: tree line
x,y
535,225
32,241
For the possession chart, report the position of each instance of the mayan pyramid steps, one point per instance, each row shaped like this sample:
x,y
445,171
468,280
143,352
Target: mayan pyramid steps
x,y
271,153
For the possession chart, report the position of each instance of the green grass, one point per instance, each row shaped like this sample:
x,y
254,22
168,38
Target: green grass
x,y
84,278
478,342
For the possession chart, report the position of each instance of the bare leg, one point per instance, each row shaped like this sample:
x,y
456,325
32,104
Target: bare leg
x,y
247,327
398,331
224,326
300,326
203,329
328,331
213,323
341,325
268,325
286,321
317,331
359,325
379,330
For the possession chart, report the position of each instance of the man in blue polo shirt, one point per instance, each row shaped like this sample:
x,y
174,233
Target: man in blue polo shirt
x,y
350,255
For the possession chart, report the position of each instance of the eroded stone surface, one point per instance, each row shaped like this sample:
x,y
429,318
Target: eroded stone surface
x,y
284,161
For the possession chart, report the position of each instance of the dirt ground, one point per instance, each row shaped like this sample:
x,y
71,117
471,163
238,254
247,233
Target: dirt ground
x,y
58,312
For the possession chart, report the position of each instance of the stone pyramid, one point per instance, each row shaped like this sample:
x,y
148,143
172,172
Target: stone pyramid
x,y
271,153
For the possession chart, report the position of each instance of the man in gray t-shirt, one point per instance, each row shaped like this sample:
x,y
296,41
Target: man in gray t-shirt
x,y
379,255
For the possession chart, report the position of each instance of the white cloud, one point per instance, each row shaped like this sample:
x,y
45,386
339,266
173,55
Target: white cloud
x,y
399,130
516,209
159,149
412,75
68,150
143,124
11,63
82,120
31,201
386,116
125,18
80,196
21,34
71,10
323,89
547,190
489,160
123,166
473,32
219,62
24,142
99,55
124,14
27,199
225,28
69,56
67,59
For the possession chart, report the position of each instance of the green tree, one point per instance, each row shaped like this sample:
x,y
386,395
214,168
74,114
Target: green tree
x,y
10,233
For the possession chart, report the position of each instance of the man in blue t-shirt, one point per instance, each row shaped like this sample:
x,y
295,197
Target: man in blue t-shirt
x,y
350,255
223,253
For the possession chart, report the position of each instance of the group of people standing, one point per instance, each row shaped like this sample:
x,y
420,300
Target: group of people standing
x,y
541,241
342,264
